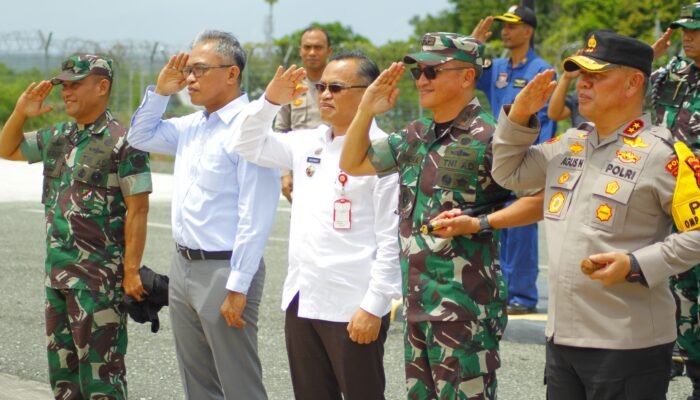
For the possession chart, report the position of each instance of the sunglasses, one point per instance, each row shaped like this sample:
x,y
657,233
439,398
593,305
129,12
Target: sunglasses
x,y
431,72
336,87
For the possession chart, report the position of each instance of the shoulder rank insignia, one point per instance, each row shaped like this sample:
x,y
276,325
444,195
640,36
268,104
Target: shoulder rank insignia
x,y
297,102
634,127
636,142
554,139
563,178
627,157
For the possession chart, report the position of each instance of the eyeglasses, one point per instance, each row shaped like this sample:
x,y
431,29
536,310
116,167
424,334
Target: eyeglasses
x,y
336,87
200,69
431,72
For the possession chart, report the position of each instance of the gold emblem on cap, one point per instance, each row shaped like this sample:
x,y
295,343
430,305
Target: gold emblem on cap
x,y
592,43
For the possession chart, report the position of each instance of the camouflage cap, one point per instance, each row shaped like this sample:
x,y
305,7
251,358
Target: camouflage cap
x,y
78,66
690,17
441,47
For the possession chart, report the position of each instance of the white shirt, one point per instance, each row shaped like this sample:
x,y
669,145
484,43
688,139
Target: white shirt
x,y
210,211
334,271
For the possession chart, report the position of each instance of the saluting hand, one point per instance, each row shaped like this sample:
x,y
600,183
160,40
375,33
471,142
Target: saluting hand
x,y
286,86
662,44
382,94
31,102
482,31
171,79
533,97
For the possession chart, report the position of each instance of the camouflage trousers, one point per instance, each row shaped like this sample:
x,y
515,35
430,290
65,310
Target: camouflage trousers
x,y
452,360
686,290
86,344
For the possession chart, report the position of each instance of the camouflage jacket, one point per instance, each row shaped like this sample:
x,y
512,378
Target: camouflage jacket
x,y
676,100
455,279
88,169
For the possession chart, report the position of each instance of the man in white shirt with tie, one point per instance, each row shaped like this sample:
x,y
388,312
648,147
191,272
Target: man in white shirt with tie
x,y
222,212
343,241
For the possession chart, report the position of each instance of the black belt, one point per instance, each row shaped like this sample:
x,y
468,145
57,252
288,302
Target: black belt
x,y
197,255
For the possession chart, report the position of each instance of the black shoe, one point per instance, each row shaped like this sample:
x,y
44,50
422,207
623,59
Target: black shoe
x,y
519,309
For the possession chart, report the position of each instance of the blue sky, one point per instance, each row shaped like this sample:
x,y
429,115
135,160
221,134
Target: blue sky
x,y
176,22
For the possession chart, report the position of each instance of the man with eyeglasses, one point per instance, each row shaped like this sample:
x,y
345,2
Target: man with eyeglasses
x,y
343,253
95,199
453,290
303,112
501,82
676,102
223,209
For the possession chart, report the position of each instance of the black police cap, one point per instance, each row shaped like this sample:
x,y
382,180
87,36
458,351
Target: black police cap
x,y
606,49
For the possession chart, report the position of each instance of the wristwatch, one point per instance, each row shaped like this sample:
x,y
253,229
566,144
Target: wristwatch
x,y
635,275
484,226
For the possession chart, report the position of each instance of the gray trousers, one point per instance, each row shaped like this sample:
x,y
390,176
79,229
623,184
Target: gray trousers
x,y
216,361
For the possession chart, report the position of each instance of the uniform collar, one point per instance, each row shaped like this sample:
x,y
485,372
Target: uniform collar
x,y
630,130
529,56
227,113
99,126
467,115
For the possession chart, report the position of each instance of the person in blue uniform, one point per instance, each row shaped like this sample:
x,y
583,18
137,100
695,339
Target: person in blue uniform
x,y
501,82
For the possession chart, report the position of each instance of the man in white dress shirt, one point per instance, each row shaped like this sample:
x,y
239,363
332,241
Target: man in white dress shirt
x,y
343,243
222,212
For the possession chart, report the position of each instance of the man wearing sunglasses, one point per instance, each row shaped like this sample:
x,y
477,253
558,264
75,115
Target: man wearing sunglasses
x,y
343,253
501,82
223,209
453,290
303,113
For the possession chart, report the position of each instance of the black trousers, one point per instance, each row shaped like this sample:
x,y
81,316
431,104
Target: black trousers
x,y
576,373
324,362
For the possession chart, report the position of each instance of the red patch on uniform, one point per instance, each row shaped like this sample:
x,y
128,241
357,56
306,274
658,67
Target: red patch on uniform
x,y
672,166
554,139
694,164
634,127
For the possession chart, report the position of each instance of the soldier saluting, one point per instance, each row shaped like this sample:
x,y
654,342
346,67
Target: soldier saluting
x,y
95,200
452,286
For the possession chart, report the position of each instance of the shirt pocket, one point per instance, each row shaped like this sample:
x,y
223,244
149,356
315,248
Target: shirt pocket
x,y
216,172
89,195
559,192
457,175
609,204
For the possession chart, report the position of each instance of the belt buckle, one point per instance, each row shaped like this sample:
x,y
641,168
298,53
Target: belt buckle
x,y
187,253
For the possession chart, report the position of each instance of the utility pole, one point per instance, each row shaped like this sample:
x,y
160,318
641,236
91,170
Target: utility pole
x,y
46,42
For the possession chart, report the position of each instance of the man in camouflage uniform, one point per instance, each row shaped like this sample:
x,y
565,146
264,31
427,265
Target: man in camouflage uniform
x,y
303,113
96,202
676,103
454,293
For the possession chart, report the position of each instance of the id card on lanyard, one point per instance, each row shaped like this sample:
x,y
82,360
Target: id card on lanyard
x,y
342,207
